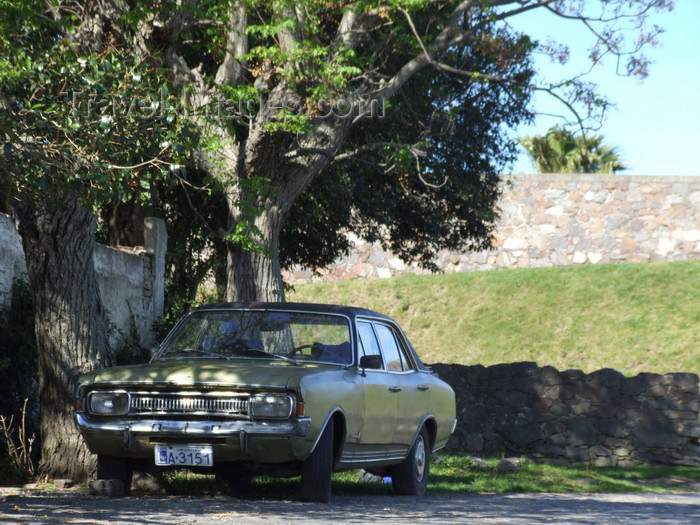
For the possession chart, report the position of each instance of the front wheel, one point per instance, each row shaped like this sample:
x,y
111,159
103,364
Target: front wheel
x,y
410,477
317,469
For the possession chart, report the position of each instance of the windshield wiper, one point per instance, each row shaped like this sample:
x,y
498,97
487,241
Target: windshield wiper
x,y
272,354
198,352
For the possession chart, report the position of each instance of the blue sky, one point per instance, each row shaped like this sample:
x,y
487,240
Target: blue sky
x,y
655,125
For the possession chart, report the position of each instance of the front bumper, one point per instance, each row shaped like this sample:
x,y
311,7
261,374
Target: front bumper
x,y
268,442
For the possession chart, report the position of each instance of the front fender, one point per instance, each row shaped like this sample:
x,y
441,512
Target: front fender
x,y
333,394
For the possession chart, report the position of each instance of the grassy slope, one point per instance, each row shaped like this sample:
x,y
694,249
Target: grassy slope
x,y
634,318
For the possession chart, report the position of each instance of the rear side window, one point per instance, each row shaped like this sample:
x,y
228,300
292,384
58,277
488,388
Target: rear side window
x,y
368,341
395,361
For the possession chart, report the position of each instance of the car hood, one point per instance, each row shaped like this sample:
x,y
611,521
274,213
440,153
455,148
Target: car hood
x,y
236,373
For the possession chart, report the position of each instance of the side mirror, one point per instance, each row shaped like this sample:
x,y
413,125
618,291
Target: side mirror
x,y
371,362
153,351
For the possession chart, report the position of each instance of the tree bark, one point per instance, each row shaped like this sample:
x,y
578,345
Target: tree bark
x,y
70,324
257,276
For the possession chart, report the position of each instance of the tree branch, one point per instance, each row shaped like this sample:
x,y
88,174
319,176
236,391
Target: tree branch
x,y
230,71
290,37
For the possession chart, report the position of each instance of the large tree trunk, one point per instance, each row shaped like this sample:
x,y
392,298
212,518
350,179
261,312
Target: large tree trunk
x,y
70,324
256,276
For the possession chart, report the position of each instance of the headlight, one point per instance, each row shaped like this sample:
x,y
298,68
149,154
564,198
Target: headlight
x,y
273,406
109,403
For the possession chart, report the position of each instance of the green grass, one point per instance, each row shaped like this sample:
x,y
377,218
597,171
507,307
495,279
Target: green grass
x,y
457,474
631,317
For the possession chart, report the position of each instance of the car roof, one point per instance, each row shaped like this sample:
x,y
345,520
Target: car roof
x,y
349,311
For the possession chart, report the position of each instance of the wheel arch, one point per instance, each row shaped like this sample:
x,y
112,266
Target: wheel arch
x,y
339,432
430,424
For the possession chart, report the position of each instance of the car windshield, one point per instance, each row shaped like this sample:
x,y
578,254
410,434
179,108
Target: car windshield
x,y
262,334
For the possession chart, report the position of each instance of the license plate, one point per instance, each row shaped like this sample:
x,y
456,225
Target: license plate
x,y
184,455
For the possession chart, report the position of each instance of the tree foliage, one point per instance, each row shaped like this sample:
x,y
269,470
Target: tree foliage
x,y
195,251
432,182
560,151
77,118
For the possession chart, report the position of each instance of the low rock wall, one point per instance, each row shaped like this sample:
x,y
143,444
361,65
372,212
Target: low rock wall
x,y
602,418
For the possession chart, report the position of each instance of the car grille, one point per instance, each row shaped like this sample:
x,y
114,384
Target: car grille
x,y
220,404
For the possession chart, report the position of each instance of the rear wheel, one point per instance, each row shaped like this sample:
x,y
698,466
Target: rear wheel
x,y
111,468
410,477
317,469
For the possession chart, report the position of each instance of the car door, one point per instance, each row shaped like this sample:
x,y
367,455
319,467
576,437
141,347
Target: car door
x,y
381,404
407,385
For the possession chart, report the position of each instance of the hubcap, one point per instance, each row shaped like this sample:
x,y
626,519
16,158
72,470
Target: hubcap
x,y
419,457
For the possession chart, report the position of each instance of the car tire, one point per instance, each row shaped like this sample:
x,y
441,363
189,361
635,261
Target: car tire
x,y
115,468
410,477
317,469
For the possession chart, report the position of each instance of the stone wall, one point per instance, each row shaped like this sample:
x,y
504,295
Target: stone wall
x,y
602,418
131,281
562,219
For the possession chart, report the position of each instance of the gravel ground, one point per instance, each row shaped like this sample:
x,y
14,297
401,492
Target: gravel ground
x,y
74,506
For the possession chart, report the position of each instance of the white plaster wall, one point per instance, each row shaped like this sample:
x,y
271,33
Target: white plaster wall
x,y
131,282
12,264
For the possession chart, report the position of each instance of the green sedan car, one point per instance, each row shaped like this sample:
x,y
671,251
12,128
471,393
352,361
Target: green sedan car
x,y
271,388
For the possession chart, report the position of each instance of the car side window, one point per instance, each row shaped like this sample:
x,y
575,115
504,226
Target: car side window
x,y
368,341
394,356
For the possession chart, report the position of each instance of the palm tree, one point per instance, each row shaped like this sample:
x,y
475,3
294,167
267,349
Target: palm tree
x,y
559,151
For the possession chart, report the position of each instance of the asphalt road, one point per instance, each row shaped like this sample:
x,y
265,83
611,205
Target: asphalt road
x,y
75,508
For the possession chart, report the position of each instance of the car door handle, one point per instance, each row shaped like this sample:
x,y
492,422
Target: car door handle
x,y
423,388
394,389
